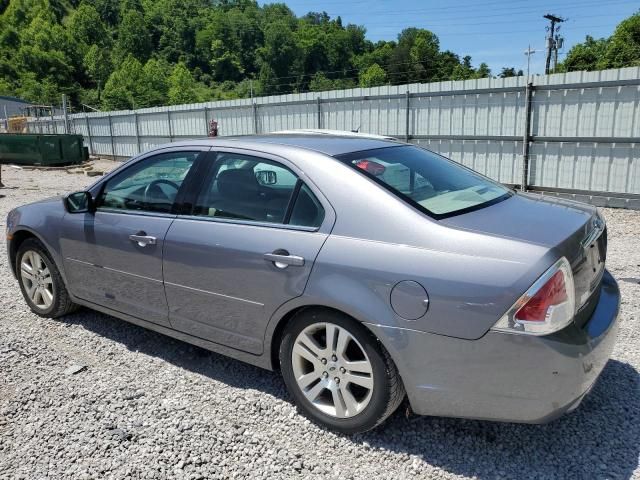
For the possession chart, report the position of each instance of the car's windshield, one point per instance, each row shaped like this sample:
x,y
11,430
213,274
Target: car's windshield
x,y
428,181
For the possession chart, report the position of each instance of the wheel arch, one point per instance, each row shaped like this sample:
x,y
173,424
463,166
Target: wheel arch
x,y
274,336
22,233
17,238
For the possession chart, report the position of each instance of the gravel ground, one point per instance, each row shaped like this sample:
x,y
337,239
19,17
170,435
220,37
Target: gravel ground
x,y
147,406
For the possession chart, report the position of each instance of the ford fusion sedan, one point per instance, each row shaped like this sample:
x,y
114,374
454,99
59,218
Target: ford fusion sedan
x,y
366,270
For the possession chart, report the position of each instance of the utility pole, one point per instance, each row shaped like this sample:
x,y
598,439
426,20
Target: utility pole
x,y
528,52
552,44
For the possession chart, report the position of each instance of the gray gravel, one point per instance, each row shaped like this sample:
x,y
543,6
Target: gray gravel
x,y
90,396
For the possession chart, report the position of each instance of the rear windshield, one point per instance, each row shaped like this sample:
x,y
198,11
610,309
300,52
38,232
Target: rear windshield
x,y
426,180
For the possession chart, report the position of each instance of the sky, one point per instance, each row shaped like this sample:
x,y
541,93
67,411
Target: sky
x,y
496,32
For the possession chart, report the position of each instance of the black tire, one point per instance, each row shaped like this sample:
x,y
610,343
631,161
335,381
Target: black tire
x,y
62,304
388,390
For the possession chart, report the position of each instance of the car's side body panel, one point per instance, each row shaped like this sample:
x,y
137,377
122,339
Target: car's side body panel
x,y
503,376
42,219
219,285
105,267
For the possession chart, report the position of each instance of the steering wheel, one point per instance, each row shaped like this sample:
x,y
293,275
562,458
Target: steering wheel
x,y
153,188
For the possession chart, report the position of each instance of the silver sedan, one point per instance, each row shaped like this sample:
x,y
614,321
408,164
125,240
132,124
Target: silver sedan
x,y
366,270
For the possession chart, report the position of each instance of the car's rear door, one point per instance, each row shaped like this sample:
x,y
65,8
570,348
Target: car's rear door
x,y
113,256
247,246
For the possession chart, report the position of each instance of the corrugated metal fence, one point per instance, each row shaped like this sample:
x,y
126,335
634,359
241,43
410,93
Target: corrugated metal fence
x,y
581,130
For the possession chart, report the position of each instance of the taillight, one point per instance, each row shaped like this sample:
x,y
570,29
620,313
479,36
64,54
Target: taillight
x,y
548,306
374,168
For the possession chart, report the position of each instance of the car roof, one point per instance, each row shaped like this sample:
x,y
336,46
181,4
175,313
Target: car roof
x,y
340,133
332,145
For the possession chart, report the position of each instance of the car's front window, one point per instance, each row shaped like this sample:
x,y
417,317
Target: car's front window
x,y
428,181
150,185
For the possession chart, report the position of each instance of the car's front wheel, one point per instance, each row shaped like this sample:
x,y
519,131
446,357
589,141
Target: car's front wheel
x,y
338,373
40,281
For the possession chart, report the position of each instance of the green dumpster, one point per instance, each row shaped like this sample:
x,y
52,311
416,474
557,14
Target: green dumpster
x,y
45,150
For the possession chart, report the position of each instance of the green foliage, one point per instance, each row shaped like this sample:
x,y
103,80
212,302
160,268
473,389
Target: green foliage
x,y
155,83
622,49
124,88
484,71
86,28
182,85
120,54
320,83
133,37
508,72
98,66
280,58
589,55
373,76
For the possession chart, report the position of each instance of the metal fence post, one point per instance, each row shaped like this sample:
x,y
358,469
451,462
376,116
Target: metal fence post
x,y
526,137
255,117
169,123
113,150
86,120
406,126
135,119
206,121
65,113
319,111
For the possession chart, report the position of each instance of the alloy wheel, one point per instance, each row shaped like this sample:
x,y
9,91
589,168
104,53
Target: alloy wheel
x,y
36,279
332,370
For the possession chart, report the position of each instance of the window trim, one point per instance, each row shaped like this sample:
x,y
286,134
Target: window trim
x,y
177,203
212,159
346,159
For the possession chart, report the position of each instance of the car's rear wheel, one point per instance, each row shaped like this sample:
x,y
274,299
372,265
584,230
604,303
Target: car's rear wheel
x,y
338,373
40,281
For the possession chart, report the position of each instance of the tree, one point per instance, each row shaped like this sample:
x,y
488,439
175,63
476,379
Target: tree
x,y
155,84
280,59
373,76
225,64
97,62
464,70
507,72
86,27
108,10
182,85
623,48
483,71
424,55
585,56
133,37
320,83
123,89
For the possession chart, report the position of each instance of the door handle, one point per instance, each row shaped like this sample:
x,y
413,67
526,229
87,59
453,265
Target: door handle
x,y
282,259
142,239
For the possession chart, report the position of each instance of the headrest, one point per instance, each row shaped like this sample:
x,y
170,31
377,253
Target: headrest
x,y
237,184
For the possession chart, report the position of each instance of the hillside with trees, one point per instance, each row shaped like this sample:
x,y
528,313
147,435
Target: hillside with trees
x,y
116,54
119,54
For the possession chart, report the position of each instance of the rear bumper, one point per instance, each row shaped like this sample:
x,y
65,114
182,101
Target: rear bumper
x,y
505,377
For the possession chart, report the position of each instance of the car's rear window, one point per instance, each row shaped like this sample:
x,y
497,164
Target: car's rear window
x,y
426,180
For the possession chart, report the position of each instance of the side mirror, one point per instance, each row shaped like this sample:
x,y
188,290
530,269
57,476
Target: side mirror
x,y
267,177
79,202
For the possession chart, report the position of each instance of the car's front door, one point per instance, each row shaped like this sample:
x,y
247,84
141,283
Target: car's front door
x,y
247,247
113,256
